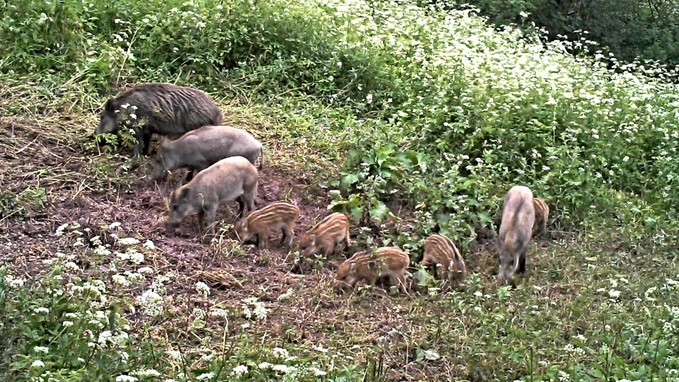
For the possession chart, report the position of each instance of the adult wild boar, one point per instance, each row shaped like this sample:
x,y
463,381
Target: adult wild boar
x,y
518,216
228,179
158,108
200,148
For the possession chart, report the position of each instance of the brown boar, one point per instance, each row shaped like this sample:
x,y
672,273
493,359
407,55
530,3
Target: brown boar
x,y
441,252
541,216
518,216
388,262
258,224
200,148
158,108
324,236
228,179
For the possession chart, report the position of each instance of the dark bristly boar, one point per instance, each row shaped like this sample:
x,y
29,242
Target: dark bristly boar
x,y
275,216
200,148
541,216
442,253
228,179
158,108
518,216
324,236
371,265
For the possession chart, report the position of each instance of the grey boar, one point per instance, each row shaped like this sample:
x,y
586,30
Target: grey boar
x,y
228,179
200,148
324,236
442,253
369,266
518,216
158,108
258,224
541,216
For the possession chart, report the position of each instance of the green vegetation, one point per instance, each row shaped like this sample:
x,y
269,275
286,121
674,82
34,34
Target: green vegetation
x,y
414,118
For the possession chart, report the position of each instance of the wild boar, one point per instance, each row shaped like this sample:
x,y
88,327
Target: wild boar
x,y
200,148
518,216
324,236
158,108
258,224
541,216
228,179
442,253
370,265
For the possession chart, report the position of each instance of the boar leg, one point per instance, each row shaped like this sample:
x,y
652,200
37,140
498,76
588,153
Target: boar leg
x,y
522,261
263,239
241,207
209,214
287,236
347,241
400,280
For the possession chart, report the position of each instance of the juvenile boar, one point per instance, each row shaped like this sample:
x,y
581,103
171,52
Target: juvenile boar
x,y
541,216
442,253
518,216
201,148
228,179
369,266
258,224
158,108
324,236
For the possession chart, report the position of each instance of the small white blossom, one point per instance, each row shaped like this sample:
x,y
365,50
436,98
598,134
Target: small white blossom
x,y
147,373
128,241
202,289
317,372
240,370
41,349
283,368
205,376
614,293
264,365
66,324
126,378
149,245
280,353
37,364
41,310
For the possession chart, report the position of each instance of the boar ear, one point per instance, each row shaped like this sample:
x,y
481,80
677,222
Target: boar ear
x,y
184,193
110,105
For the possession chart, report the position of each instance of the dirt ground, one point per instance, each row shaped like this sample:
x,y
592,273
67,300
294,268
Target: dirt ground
x,y
80,189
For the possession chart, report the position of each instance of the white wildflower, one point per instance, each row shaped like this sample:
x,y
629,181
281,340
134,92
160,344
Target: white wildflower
x,y
133,116
147,373
120,280
286,295
66,324
41,349
174,354
145,270
317,372
151,302
240,370
202,289
320,348
280,353
126,378
614,293
149,245
41,310
218,312
14,282
37,363
283,368
60,230
205,376
264,365
128,241
114,225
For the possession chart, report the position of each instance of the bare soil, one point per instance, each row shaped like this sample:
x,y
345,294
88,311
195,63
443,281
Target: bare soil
x,y
53,181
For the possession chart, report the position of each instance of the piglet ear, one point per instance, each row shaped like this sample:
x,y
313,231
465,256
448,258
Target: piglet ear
x,y
184,193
